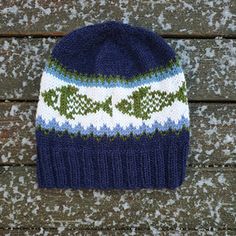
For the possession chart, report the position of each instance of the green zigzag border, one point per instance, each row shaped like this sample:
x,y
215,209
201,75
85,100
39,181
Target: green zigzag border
x,y
112,138
52,62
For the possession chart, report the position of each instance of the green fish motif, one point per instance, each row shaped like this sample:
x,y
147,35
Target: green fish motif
x,y
70,102
143,102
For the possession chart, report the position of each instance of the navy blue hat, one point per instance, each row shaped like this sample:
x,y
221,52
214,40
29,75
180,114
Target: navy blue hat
x,y
112,112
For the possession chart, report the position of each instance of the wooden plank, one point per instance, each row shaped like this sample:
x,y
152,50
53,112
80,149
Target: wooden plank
x,y
213,133
114,232
169,17
209,67
205,200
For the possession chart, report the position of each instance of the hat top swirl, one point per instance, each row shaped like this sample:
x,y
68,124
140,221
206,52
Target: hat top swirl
x,y
112,48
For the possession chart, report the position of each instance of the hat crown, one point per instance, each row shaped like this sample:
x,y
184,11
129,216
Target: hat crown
x,y
112,48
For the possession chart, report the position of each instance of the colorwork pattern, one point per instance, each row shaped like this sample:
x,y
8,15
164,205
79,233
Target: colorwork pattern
x,y
150,102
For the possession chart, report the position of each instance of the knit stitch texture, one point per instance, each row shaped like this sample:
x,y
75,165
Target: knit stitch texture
x,y
113,111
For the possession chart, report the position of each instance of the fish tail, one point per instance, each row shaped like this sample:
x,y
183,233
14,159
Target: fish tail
x,y
107,106
48,95
181,93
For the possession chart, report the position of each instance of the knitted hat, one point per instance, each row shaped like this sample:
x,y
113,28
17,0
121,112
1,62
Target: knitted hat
x,y
112,112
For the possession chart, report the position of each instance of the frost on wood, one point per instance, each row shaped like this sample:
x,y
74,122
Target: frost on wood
x,y
175,17
21,66
206,194
17,133
204,201
214,134
209,67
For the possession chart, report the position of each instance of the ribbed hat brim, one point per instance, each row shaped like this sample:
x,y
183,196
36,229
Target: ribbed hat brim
x,y
62,163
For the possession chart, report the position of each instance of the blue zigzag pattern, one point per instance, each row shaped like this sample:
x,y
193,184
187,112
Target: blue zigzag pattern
x,y
169,124
175,70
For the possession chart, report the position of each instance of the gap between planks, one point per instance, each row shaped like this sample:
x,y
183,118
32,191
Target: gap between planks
x,y
167,35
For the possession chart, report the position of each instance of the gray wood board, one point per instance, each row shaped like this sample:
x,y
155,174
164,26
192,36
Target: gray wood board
x,y
209,67
63,231
182,17
213,134
205,200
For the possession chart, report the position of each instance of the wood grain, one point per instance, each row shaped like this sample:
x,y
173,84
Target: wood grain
x,y
209,67
205,199
182,17
213,134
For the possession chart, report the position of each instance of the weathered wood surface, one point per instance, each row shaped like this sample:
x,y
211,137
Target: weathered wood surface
x,y
209,65
170,17
204,204
213,133
138,232
206,199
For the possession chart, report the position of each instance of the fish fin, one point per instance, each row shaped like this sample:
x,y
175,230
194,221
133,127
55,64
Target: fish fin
x,y
181,93
106,106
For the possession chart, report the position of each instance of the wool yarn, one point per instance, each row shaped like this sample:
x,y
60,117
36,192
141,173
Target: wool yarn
x,y
113,111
